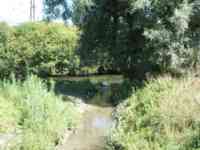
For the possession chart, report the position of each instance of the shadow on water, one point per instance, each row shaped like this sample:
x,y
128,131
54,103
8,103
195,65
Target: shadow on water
x,y
100,94
81,89
96,90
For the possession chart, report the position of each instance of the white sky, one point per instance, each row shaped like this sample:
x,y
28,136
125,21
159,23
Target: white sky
x,y
18,11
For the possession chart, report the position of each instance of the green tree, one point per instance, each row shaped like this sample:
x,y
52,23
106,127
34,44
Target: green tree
x,y
56,9
40,48
195,35
61,9
138,36
79,10
6,58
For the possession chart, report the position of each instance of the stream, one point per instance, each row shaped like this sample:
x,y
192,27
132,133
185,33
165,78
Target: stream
x,y
97,115
92,132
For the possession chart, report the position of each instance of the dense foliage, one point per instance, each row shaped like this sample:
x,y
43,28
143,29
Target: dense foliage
x,y
39,48
79,10
55,9
138,36
63,9
162,116
38,115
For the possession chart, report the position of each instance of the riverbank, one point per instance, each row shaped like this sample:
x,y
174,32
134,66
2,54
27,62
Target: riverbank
x,y
37,113
85,99
162,115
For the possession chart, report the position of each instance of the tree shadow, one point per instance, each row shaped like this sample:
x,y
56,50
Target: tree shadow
x,y
98,93
84,89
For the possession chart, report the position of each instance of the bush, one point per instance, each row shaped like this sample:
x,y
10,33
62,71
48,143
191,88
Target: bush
x,y
86,71
6,34
164,115
40,48
41,116
9,116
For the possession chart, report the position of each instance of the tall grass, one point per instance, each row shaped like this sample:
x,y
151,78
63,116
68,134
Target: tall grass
x,y
164,115
38,113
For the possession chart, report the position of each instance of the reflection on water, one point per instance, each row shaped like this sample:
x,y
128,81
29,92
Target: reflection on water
x,y
92,132
95,79
100,122
95,89
97,118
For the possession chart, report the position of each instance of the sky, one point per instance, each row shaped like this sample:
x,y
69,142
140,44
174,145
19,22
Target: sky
x,y
18,11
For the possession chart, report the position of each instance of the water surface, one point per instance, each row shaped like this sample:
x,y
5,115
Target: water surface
x,y
97,118
92,132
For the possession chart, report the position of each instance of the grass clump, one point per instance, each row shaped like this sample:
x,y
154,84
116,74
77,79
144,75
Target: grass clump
x,y
39,114
9,116
164,115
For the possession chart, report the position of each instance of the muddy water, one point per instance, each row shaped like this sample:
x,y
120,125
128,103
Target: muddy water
x,y
92,132
97,117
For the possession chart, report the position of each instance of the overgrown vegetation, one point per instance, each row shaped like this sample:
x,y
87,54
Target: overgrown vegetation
x,y
162,116
39,48
138,36
39,115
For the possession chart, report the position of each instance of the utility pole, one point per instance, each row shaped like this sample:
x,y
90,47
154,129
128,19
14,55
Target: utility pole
x,y
32,10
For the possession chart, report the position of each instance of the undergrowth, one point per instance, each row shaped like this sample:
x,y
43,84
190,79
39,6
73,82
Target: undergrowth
x,y
37,113
164,115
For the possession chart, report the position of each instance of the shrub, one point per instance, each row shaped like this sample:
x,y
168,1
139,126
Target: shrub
x,y
86,71
41,48
6,34
9,116
164,115
42,117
